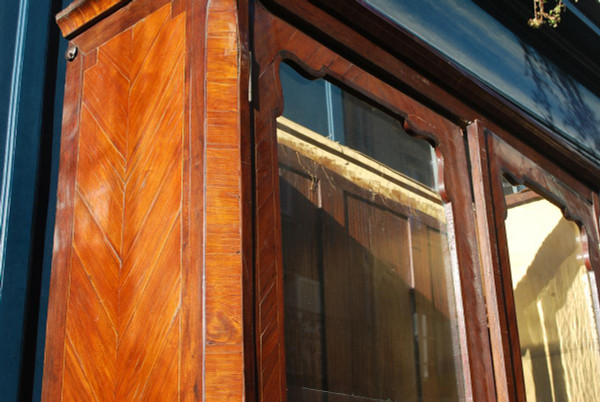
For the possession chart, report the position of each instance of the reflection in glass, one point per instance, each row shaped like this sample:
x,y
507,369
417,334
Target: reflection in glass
x,y
369,299
553,301
340,116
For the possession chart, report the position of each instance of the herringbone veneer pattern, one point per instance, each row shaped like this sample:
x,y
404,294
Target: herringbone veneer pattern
x,y
123,328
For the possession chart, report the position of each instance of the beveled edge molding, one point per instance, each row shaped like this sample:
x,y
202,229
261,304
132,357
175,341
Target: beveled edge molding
x,y
80,14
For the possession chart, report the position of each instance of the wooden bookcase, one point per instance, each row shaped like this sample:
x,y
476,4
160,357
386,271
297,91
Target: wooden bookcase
x,y
167,277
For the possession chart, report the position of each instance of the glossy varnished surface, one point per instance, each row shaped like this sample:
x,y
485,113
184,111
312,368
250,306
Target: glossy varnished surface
x,y
81,13
276,40
125,317
493,158
146,298
63,234
153,287
224,359
122,329
403,60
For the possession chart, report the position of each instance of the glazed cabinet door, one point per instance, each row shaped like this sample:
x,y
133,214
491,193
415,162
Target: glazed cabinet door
x,y
367,277
538,228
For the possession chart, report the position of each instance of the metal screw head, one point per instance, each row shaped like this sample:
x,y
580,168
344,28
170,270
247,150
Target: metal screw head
x,y
71,53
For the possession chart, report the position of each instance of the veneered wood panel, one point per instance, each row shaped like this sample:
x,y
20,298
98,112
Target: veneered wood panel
x,y
124,289
156,95
138,169
224,333
56,358
81,13
192,297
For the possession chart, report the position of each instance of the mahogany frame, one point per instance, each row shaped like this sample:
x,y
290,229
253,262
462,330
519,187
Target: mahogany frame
x,y
492,158
276,40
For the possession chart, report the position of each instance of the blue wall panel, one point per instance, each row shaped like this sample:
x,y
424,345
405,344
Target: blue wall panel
x,y
32,79
482,47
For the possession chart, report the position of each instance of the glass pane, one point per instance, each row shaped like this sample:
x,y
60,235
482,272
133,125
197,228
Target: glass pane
x,y
553,300
369,297
342,117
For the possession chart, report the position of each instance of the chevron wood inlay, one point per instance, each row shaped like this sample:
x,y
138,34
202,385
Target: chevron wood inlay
x,y
146,289
123,323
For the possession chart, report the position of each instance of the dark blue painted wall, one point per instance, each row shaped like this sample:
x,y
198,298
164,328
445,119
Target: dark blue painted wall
x,y
481,46
34,99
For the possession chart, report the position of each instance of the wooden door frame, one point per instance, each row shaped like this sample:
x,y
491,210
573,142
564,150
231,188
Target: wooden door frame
x,y
276,40
492,158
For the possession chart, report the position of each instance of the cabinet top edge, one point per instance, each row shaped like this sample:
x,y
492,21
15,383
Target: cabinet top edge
x,y
82,13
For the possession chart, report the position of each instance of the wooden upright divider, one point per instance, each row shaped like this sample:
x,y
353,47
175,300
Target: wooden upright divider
x,y
224,359
146,288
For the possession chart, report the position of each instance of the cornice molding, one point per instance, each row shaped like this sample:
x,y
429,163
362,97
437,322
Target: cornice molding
x,y
80,14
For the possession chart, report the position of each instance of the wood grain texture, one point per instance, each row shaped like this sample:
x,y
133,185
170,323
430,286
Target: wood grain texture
x,y
54,353
276,40
81,13
130,289
192,298
160,165
497,318
124,18
224,332
493,158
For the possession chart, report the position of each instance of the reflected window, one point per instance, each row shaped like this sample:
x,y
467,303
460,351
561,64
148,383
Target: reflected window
x,y
340,116
370,308
553,299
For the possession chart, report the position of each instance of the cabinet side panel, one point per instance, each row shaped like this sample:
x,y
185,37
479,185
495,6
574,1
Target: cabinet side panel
x,y
59,286
123,327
